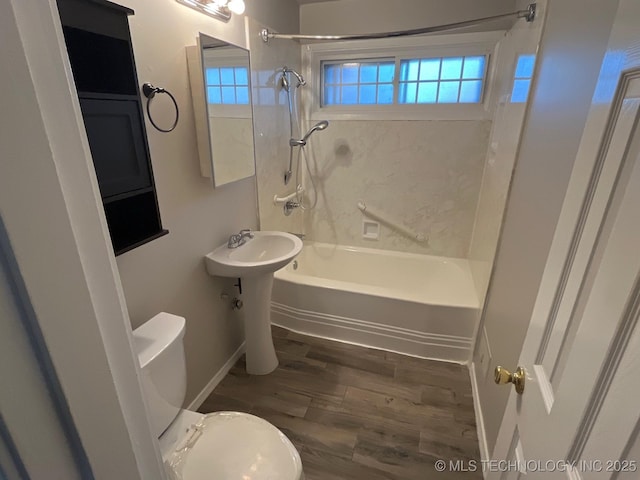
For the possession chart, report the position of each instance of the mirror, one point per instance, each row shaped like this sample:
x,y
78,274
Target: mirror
x,y
220,79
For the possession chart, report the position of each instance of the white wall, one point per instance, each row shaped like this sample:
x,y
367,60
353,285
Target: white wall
x,y
168,274
366,16
571,51
279,15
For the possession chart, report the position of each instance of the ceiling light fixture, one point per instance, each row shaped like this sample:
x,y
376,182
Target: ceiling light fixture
x,y
220,9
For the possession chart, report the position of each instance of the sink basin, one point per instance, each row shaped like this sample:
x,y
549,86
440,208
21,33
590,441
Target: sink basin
x,y
265,253
254,262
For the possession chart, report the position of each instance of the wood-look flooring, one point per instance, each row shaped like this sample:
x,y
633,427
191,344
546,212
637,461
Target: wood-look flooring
x,y
359,413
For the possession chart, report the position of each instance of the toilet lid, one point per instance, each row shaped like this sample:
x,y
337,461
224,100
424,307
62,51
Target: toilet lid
x,y
235,446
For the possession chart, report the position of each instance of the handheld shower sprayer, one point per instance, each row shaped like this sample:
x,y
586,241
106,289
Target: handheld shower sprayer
x,y
303,141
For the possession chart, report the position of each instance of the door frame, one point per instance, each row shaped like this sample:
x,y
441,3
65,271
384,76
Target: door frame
x,y
50,204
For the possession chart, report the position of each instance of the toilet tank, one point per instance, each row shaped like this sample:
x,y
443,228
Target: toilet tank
x,y
160,349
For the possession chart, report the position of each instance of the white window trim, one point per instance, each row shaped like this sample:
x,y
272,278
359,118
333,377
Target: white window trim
x,y
466,44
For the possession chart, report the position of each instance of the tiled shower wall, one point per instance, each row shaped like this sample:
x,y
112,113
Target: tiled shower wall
x,y
425,175
501,156
271,124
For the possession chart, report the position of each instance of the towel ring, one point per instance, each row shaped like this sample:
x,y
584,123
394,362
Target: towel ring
x,y
150,91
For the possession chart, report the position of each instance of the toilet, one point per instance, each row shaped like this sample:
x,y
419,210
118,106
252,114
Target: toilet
x,y
194,446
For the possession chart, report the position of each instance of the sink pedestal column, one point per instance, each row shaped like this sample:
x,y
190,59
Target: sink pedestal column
x,y
261,355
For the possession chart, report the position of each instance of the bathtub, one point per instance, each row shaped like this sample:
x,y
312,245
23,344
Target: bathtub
x,y
418,305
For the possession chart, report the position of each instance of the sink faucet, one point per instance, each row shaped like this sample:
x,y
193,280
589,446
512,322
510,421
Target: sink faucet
x,y
240,238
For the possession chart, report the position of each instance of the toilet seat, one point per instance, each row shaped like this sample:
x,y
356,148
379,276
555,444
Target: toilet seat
x,y
234,446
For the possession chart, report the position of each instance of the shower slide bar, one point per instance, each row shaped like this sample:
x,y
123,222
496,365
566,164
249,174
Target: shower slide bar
x,y
529,15
382,218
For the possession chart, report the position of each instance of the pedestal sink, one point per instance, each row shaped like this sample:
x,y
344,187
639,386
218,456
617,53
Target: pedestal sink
x,y
254,263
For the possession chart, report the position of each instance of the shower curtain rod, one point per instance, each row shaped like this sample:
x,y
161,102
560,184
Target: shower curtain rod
x,y
529,15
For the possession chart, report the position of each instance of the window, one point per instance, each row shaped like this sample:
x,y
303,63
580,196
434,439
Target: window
x,y
227,85
421,80
428,77
522,80
363,83
442,80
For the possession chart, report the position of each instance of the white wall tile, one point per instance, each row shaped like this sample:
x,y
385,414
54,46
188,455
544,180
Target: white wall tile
x,y
424,174
271,124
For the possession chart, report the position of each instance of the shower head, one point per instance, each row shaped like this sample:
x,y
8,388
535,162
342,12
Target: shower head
x,y
302,142
318,126
285,81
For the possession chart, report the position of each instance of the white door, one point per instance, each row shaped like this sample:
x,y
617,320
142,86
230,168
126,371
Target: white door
x,y
37,435
581,399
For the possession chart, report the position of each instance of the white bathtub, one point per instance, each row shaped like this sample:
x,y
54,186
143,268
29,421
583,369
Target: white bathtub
x,y
415,304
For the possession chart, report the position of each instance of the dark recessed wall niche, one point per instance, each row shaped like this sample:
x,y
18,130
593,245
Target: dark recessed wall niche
x,y
98,41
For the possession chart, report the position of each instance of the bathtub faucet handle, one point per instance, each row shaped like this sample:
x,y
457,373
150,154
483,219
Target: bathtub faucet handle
x,y
290,206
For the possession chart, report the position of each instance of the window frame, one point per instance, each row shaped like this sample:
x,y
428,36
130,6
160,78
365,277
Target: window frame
x,y
456,45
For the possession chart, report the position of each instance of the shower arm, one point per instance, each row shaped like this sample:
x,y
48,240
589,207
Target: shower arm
x,y
301,81
529,15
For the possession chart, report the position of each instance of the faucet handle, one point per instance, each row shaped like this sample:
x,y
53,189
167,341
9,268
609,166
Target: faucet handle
x,y
234,240
246,232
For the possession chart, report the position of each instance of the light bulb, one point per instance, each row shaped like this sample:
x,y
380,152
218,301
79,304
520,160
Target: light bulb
x,y
213,7
236,6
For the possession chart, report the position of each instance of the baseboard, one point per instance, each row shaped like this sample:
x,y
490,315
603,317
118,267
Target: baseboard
x,y
217,378
449,348
482,434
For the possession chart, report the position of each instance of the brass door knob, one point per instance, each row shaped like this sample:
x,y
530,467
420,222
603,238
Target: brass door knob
x,y
503,376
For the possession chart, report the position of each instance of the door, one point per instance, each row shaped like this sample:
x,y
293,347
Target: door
x,y
579,414
37,436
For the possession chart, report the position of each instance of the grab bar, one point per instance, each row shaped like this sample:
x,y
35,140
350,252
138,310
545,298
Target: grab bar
x,y
277,200
382,218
